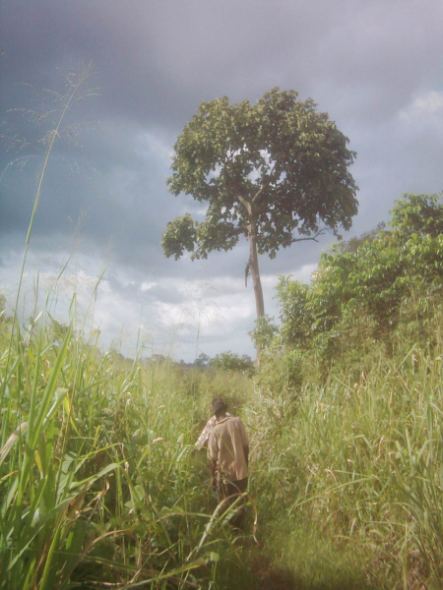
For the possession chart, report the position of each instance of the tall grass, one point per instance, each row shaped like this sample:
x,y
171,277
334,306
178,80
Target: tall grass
x,y
99,480
356,465
100,485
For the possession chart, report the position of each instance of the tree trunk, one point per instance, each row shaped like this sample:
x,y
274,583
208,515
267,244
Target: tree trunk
x,y
255,273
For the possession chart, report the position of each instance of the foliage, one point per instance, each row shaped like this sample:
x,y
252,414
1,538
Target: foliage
x,y
281,152
202,361
281,374
418,214
229,361
263,333
265,170
373,280
295,317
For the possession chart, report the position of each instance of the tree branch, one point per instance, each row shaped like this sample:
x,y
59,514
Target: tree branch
x,y
258,193
266,182
246,204
310,238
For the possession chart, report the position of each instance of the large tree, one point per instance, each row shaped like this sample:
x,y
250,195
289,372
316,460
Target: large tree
x,y
275,172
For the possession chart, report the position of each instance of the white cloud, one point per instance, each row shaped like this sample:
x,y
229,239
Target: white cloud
x,y
147,286
426,109
304,274
152,145
168,316
208,314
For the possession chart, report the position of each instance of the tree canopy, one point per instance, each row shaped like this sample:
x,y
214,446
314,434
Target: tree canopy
x,y
275,172
364,291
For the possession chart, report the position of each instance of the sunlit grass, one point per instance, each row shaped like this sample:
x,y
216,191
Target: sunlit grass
x,y
99,477
358,464
100,483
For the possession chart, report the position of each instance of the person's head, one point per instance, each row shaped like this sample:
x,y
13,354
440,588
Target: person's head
x,y
219,406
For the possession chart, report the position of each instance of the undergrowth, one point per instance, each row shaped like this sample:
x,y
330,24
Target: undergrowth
x,y
101,485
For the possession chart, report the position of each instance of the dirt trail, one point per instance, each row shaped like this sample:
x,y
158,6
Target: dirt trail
x,y
270,577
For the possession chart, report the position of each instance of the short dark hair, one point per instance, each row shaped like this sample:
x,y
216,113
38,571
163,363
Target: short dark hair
x,y
219,406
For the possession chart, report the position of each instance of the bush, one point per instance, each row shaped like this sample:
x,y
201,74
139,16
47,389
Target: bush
x,y
229,361
359,290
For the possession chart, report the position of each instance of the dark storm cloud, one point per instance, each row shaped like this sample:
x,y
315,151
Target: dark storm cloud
x,y
155,60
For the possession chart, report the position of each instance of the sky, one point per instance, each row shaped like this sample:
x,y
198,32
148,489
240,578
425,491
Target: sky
x,y
95,253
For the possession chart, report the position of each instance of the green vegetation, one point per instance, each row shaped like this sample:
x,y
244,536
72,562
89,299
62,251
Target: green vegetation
x,y
100,482
367,288
266,171
100,485
353,379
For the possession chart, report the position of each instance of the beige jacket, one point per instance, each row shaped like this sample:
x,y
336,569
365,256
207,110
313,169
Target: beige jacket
x,y
204,436
228,448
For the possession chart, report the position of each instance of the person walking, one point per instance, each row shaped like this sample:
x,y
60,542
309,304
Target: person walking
x,y
228,454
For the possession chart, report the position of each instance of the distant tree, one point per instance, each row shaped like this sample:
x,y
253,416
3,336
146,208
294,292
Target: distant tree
x,y
159,359
266,171
230,361
202,360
